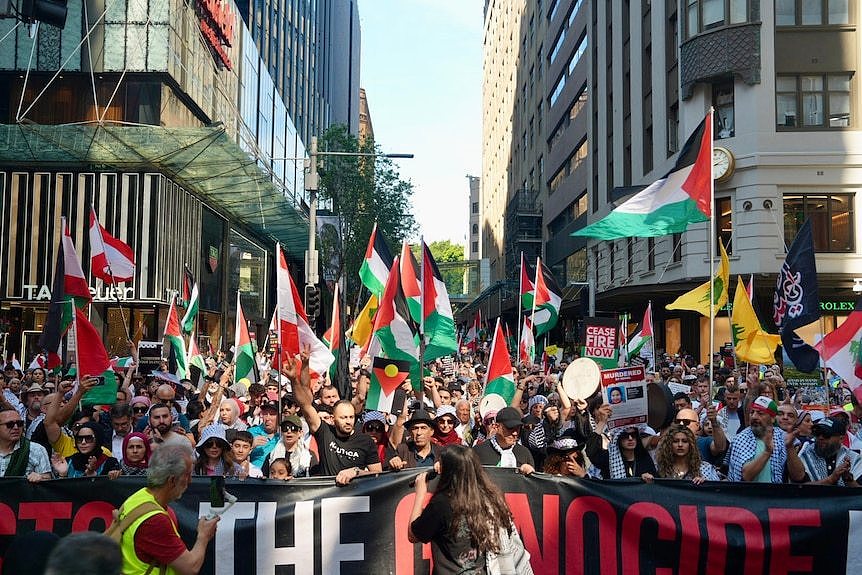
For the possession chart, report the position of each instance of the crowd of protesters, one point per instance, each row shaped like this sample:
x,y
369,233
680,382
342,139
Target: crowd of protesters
x,y
744,425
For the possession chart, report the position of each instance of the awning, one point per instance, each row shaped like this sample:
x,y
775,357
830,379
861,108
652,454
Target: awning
x,y
204,161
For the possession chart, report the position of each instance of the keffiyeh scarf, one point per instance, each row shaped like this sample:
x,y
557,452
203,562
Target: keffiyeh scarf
x,y
743,448
507,456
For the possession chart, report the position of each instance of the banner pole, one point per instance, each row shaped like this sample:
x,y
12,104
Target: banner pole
x,y
711,244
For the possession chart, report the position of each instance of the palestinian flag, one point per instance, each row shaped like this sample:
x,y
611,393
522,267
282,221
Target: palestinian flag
x,y
439,323
111,260
528,288
188,322
549,298
188,286
120,364
499,378
471,338
243,355
69,291
394,335
841,349
640,343
195,358
384,391
174,339
669,205
375,267
332,337
294,331
527,345
410,283
91,359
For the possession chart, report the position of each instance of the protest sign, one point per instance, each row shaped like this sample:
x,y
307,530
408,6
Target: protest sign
x,y
625,390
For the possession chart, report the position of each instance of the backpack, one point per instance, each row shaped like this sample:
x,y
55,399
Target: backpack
x,y
119,526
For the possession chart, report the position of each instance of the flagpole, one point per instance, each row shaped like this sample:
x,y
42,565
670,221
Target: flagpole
x,y
652,336
711,247
730,325
278,349
110,271
421,305
518,306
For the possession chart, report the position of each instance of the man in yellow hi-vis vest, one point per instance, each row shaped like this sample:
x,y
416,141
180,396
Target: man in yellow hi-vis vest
x,y
147,527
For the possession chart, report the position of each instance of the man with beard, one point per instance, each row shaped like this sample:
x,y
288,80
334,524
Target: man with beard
x,y
161,429
827,461
344,451
760,452
31,409
502,448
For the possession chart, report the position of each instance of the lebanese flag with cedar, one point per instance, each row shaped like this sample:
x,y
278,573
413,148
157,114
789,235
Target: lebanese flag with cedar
x,y
294,332
111,260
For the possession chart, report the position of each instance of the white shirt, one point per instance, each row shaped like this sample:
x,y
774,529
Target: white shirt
x,y
117,446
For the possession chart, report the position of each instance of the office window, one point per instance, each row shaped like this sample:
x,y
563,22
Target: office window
x,y
558,89
704,15
475,228
676,240
475,246
814,101
650,244
475,207
630,256
724,224
722,100
831,219
612,260
812,12
557,45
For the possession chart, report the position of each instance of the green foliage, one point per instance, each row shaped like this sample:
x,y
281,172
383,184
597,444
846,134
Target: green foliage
x,y
362,190
446,251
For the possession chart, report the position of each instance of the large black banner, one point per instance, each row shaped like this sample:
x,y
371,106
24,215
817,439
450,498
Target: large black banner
x,y
310,526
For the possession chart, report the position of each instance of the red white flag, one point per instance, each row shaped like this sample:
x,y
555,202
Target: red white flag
x,y
293,329
74,281
111,260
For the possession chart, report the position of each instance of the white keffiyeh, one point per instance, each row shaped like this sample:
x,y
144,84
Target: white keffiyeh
x,y
507,456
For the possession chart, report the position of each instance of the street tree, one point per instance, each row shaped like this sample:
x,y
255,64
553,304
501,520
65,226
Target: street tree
x,y
359,191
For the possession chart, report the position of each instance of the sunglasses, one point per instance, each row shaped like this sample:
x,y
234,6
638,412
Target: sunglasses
x,y
14,424
684,421
446,421
629,435
85,438
291,428
211,443
139,410
377,426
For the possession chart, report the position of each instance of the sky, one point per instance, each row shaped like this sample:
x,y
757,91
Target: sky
x,y
421,67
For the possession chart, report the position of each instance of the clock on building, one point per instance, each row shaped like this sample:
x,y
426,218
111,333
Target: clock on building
x,y
722,164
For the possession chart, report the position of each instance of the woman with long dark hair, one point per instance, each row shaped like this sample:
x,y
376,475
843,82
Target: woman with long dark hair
x,y
214,454
463,519
679,458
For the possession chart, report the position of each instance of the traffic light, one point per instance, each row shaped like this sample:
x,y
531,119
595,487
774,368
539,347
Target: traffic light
x,y
312,301
51,12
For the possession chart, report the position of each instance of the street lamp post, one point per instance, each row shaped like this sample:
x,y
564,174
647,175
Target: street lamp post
x,y
312,182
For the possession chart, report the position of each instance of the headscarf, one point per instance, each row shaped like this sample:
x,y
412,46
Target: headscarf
x,y
79,460
147,451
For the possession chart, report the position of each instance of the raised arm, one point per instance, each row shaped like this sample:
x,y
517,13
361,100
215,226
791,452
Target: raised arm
x,y
296,370
57,414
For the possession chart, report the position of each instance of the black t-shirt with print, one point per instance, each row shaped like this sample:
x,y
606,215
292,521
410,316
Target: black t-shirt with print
x,y
451,555
336,454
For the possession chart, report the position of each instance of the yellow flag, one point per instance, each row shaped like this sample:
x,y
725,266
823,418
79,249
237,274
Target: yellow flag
x,y
698,298
752,343
364,323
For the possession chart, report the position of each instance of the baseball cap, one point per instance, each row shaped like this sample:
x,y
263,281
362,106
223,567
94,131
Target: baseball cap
x,y
765,405
830,427
509,417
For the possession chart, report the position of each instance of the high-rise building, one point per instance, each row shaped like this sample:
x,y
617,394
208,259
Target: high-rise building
x,y
166,120
623,85
471,250
311,49
366,127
